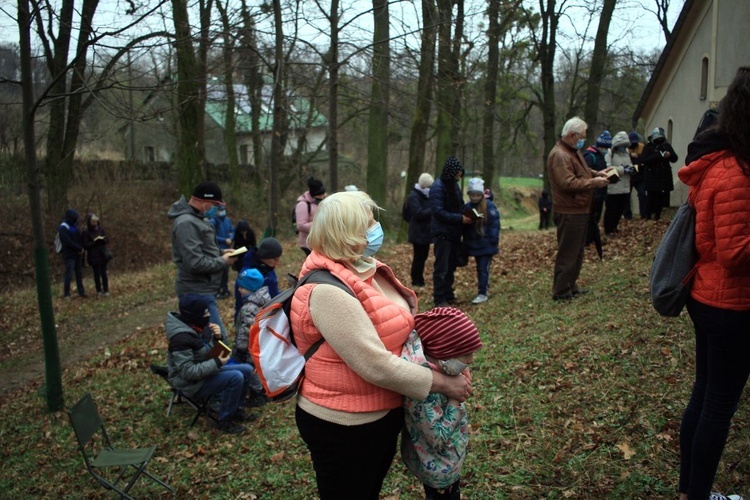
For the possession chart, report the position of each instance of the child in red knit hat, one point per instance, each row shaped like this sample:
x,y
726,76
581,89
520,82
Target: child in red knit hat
x,y
436,434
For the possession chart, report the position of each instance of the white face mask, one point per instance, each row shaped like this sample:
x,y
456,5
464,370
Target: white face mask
x,y
452,366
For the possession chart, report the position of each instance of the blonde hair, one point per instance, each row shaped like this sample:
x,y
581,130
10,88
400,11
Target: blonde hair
x,y
340,223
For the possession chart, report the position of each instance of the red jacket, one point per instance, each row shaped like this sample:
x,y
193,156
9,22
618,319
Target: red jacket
x,y
722,230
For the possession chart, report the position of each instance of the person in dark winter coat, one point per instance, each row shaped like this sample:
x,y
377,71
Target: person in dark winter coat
x,y
199,261
545,209
596,158
265,258
446,227
95,242
191,336
657,172
224,238
636,179
482,236
418,206
244,236
72,252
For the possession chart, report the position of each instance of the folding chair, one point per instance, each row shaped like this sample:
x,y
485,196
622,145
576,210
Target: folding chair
x,y
86,423
201,407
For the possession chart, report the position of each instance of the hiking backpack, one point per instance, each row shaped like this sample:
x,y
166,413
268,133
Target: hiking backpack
x,y
294,216
278,363
405,212
58,243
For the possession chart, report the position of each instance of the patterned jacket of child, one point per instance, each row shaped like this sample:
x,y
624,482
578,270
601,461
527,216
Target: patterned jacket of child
x,y
251,304
436,432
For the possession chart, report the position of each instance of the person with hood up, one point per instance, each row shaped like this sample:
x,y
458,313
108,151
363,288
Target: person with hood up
x,y
224,238
657,172
244,236
636,179
191,336
420,211
618,193
718,174
304,211
482,236
95,242
200,263
72,252
446,227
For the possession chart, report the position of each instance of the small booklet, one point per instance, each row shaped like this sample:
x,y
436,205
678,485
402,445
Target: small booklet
x,y
612,175
99,238
218,349
239,251
473,214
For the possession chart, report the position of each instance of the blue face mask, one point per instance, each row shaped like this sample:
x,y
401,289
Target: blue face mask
x,y
580,144
374,237
211,212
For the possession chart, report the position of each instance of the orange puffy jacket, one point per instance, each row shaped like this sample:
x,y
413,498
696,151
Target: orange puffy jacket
x,y
722,230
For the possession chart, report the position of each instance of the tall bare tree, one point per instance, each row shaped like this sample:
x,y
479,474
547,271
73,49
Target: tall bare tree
x,y
377,132
280,128
598,64
230,119
253,79
332,61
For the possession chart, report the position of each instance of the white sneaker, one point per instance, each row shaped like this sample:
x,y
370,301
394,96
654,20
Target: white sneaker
x,y
479,299
719,496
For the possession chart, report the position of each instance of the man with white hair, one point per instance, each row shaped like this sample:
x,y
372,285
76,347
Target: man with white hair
x,y
573,184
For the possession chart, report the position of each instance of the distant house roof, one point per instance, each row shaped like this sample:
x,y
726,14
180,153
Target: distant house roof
x,y
662,61
299,109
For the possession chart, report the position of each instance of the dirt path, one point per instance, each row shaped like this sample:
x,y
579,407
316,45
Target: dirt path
x,y
28,368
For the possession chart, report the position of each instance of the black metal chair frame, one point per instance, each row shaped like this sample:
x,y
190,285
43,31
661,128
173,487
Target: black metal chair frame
x,y
201,407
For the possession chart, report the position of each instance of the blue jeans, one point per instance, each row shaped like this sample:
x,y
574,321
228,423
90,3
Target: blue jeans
x,y
230,384
73,266
721,372
483,272
444,269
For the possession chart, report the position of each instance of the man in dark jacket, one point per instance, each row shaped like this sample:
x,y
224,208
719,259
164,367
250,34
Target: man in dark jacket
x,y
191,336
199,261
420,212
657,171
446,227
72,252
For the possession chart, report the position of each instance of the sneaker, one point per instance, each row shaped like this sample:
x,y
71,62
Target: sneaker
x,y
106,294
256,400
228,426
241,416
719,496
479,299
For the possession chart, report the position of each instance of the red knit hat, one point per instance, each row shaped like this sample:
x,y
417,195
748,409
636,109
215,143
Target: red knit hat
x,y
447,333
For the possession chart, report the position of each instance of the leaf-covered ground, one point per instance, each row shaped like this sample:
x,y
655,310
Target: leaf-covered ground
x,y
572,400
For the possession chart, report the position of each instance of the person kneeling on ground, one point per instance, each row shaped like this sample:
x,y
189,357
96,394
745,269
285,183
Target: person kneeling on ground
x,y
191,337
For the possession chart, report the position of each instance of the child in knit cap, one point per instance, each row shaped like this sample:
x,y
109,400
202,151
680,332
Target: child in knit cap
x,y
436,434
254,296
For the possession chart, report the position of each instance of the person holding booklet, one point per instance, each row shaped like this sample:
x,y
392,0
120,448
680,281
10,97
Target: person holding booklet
x,y
482,236
192,341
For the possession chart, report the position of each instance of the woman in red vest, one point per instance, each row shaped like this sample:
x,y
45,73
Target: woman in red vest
x,y
349,410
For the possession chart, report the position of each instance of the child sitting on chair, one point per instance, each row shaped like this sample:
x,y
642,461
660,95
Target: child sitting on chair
x,y
436,434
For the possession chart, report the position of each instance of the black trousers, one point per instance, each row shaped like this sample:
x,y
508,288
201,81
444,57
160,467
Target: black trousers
x,y
444,269
615,207
421,252
350,461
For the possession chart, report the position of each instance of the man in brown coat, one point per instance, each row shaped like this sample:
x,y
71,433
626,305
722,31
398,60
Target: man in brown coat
x,y
573,184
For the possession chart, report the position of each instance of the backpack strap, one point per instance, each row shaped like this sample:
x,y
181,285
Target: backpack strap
x,y
317,276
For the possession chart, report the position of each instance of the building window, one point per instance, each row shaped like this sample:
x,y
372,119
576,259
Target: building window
x,y
148,153
704,78
243,154
670,124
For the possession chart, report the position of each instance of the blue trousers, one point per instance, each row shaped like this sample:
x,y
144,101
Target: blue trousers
x,y
73,265
231,385
722,366
483,273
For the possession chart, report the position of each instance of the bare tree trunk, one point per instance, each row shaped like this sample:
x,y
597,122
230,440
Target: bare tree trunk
x,y
190,151
254,82
547,48
598,63
377,132
53,369
278,141
333,99
490,92
421,120
445,91
230,135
